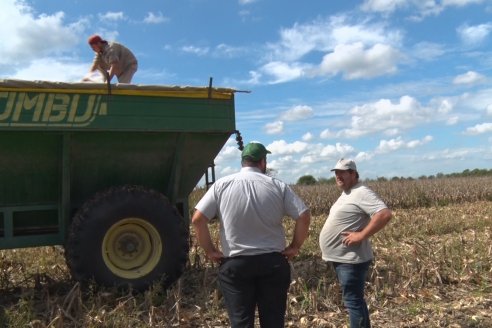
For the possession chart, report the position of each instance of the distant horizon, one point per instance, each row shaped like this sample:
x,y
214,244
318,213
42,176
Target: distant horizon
x,y
201,184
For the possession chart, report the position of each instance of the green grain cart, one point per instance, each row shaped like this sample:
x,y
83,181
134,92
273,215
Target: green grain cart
x,y
106,171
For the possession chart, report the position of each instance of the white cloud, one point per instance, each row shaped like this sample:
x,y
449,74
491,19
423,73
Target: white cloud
x,y
469,77
356,50
445,106
452,154
224,50
460,3
383,6
423,7
51,69
354,61
255,78
416,143
112,16
452,120
387,146
302,155
479,129
336,151
289,168
26,37
391,132
300,40
308,136
384,115
321,153
478,101
474,35
155,18
281,147
199,51
324,35
326,134
297,113
363,156
230,152
283,72
246,2
343,32
276,127
281,162
488,109
428,51
309,159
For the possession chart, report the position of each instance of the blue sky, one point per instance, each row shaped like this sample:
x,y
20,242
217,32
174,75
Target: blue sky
x,y
401,86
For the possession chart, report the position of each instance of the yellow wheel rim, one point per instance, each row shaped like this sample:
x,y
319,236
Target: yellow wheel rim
x,y
131,248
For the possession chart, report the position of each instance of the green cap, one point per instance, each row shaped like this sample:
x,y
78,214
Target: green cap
x,y
254,151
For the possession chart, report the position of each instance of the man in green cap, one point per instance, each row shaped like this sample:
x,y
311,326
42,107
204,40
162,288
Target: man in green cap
x,y
254,269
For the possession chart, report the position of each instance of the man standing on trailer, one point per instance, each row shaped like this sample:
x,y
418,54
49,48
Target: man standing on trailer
x,y
112,59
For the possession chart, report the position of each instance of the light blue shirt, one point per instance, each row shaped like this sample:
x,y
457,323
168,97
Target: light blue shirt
x,y
250,206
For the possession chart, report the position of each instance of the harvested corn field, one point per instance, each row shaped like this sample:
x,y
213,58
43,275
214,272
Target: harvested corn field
x,y
432,269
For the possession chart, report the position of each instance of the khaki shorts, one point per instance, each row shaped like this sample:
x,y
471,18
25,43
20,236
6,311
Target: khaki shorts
x,y
127,74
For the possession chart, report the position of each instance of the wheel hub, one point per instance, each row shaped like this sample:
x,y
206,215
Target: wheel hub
x,y
128,245
132,248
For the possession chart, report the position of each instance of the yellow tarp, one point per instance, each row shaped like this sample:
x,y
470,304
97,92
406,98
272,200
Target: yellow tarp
x,y
116,89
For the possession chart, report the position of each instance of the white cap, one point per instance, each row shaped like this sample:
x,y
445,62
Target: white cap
x,y
345,164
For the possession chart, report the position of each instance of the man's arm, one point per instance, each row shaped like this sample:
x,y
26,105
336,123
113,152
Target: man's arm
x,y
95,63
377,222
200,224
301,231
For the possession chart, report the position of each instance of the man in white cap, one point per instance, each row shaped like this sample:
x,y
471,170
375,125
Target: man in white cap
x,y
344,240
254,269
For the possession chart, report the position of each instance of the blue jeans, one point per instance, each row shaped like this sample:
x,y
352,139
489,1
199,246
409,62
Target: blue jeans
x,y
352,278
257,280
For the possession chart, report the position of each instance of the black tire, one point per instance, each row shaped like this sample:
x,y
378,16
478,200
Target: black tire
x,y
127,236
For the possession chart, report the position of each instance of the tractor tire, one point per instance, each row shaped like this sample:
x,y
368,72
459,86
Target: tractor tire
x,y
127,237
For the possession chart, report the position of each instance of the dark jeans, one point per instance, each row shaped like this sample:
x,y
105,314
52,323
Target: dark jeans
x,y
258,280
352,278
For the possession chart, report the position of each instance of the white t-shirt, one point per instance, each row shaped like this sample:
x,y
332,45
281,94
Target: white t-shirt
x,y
351,212
250,206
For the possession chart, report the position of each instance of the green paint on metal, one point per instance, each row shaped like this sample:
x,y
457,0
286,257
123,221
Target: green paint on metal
x,y
62,143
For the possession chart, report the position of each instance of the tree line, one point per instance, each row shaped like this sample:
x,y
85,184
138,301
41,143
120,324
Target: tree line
x,y
307,180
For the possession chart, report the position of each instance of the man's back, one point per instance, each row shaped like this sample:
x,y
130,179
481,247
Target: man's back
x,y
251,206
116,52
254,269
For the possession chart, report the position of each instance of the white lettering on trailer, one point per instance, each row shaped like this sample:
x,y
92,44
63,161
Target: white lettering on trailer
x,y
49,109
